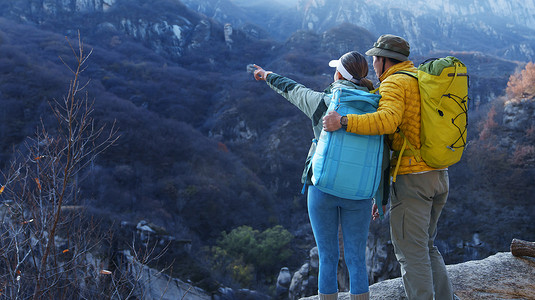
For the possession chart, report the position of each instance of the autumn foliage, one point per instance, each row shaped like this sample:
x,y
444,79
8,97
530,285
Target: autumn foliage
x,y
488,125
522,85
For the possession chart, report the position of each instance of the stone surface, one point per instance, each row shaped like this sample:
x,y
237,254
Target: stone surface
x,y
501,276
153,284
283,283
305,280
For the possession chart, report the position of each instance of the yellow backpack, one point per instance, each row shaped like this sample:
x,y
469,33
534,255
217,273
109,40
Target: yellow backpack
x,y
443,87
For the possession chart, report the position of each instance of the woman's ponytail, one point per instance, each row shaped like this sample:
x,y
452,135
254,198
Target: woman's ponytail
x,y
365,82
356,64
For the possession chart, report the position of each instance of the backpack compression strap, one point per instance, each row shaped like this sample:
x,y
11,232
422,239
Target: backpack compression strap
x,y
412,152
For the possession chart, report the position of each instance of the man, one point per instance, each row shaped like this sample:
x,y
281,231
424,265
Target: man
x,y
420,192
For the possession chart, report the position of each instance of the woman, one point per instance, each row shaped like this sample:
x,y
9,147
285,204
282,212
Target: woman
x,y
327,211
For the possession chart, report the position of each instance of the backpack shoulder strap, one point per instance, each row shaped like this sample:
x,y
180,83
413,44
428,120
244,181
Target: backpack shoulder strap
x,y
411,74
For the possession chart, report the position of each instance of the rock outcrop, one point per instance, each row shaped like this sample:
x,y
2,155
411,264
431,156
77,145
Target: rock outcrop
x,y
154,284
501,276
518,115
305,280
517,134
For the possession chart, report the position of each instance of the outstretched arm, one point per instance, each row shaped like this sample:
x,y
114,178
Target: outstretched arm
x,y
310,102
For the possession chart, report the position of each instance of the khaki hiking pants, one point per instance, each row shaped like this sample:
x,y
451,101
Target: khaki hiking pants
x,y
417,201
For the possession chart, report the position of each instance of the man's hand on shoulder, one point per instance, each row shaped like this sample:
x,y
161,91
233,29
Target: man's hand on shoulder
x,y
331,121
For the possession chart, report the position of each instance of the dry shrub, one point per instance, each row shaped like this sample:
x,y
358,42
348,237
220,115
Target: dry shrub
x,y
524,155
489,125
522,85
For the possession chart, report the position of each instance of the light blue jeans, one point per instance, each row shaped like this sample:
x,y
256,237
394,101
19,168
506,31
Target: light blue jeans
x,y
326,212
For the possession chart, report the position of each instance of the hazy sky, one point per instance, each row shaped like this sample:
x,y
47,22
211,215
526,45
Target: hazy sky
x,y
248,2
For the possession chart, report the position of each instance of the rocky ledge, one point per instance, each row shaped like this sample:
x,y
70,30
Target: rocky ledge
x,y
501,276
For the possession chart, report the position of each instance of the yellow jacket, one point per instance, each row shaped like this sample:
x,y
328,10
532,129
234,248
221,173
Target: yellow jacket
x,y
399,107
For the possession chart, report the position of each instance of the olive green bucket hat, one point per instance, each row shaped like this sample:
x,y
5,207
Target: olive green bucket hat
x,y
391,46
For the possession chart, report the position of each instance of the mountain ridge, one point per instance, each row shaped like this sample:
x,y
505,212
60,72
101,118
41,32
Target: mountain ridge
x,y
472,29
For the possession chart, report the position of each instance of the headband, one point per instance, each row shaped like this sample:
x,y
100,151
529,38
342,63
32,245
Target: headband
x,y
340,68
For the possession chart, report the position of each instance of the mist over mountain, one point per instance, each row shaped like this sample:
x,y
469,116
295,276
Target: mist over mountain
x,y
205,149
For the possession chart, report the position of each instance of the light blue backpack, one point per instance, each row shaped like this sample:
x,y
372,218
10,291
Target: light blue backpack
x,y
345,164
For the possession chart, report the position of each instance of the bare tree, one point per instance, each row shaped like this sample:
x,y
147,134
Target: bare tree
x,y
46,241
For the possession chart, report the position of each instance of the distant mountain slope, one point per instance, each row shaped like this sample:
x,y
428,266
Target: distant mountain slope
x,y
504,29
166,26
500,28
269,18
518,12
